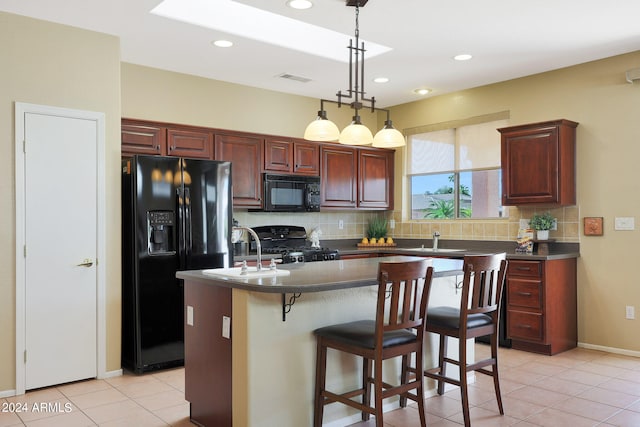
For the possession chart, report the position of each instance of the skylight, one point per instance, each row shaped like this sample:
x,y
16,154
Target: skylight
x,y
246,21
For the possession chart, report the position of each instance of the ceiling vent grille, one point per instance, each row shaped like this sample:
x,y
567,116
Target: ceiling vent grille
x,y
294,77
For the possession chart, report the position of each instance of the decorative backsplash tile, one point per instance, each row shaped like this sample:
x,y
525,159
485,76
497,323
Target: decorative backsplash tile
x,y
355,224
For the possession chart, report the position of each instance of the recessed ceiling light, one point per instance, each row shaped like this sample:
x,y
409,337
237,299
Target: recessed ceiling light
x,y
222,43
422,91
299,4
463,57
381,79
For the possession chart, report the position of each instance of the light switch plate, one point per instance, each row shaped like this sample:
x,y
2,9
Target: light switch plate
x,y
624,223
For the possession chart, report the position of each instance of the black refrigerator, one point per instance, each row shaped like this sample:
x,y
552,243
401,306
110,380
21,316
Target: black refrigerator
x,y
176,215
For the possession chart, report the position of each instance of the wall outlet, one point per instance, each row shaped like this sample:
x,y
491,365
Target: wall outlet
x,y
189,315
392,224
341,224
631,312
226,327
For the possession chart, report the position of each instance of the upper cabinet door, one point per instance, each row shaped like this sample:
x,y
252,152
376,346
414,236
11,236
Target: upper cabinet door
x,y
278,155
306,158
538,164
142,138
193,143
338,176
245,155
375,183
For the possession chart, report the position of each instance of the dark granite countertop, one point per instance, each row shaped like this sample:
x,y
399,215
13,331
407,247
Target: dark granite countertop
x,y
318,276
556,250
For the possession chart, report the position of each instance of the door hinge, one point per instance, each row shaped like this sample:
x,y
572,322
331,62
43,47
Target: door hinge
x,y
24,251
24,146
25,356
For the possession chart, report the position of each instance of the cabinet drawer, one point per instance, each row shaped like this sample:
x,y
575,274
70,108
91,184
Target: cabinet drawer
x,y
524,293
524,268
524,325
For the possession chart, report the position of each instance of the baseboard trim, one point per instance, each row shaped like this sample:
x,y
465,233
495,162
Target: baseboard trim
x,y
7,393
613,350
111,374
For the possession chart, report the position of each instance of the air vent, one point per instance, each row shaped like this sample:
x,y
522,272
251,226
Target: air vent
x,y
294,77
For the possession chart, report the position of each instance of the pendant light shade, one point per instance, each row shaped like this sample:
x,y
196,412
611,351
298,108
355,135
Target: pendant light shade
x,y
321,129
388,137
356,134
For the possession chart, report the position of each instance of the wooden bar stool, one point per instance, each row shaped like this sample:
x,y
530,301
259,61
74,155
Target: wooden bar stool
x,y
398,330
478,315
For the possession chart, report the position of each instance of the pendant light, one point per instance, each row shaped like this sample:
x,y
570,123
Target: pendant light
x,y
322,129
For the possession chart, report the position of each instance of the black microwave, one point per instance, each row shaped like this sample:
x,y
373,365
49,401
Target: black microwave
x,y
291,193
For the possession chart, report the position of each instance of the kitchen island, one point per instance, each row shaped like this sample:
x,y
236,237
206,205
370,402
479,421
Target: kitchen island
x,y
245,366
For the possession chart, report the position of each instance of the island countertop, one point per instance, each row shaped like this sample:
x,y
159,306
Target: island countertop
x,y
318,276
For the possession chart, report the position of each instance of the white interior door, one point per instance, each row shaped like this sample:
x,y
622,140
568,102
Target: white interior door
x,y
60,235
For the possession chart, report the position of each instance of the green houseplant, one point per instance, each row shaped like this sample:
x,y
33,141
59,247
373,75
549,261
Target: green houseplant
x,y
377,228
542,223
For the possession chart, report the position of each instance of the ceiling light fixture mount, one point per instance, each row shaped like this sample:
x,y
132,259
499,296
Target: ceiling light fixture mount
x,y
356,133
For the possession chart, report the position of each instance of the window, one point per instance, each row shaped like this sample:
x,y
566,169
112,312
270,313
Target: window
x,y
454,172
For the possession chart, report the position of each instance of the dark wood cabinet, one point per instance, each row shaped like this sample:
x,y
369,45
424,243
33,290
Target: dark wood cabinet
x,y
538,164
375,179
541,303
190,142
245,154
138,137
291,156
338,174
356,177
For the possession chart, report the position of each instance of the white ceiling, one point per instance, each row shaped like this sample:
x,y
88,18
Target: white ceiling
x,y
507,38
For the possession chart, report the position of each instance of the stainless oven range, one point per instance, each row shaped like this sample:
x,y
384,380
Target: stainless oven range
x,y
290,241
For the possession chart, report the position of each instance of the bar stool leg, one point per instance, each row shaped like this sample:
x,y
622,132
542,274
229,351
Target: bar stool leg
x,y
321,369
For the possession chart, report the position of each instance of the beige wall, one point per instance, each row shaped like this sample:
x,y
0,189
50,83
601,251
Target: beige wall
x,y
55,65
607,107
153,94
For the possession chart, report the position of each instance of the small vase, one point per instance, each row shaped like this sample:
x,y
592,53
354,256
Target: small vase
x,y
542,234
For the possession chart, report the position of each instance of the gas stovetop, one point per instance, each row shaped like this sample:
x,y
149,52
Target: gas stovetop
x,y
290,242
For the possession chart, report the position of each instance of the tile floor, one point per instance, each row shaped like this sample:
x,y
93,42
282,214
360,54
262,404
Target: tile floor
x,y
575,388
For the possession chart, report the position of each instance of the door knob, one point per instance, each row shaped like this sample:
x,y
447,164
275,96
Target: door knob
x,y
86,263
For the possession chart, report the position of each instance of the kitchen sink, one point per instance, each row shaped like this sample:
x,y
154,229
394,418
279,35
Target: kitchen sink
x,y
251,272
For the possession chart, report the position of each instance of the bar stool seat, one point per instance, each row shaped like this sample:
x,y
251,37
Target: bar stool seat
x,y
362,333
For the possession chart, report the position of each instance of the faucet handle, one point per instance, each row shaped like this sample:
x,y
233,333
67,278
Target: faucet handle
x,y
436,234
244,268
272,264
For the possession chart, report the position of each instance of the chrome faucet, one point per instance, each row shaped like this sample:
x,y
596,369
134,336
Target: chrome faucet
x,y
436,236
258,246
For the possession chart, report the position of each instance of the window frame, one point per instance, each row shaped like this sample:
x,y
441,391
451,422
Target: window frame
x,y
502,212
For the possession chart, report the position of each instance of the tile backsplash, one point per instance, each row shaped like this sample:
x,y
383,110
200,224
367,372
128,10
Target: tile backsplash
x,y
354,224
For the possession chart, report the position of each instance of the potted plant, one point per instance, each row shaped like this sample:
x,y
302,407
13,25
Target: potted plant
x,y
377,229
542,223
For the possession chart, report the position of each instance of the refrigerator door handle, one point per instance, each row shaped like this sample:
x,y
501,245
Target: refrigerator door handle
x,y
187,222
180,200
